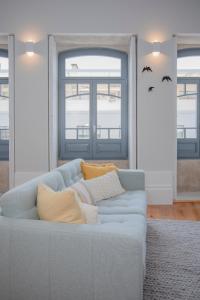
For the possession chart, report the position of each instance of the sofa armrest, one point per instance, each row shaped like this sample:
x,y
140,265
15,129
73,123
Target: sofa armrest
x,y
132,179
42,260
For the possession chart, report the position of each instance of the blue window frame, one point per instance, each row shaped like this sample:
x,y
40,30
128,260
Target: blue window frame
x,y
188,104
93,104
4,106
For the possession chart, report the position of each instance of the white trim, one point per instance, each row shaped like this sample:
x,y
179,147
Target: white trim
x,y
162,195
94,34
159,187
174,64
188,196
132,114
53,103
11,55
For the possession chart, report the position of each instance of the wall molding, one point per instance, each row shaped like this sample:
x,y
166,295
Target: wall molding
x,y
53,102
159,187
132,103
161,195
11,57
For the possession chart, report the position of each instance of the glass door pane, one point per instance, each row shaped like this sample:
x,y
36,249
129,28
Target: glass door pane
x,y
4,112
92,66
108,111
187,97
4,67
77,111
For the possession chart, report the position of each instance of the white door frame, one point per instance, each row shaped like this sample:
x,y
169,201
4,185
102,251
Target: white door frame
x,y
132,99
11,56
132,103
53,103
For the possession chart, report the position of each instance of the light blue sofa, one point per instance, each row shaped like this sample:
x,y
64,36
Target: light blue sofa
x,y
52,261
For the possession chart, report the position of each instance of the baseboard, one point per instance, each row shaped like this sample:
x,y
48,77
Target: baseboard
x,y
159,187
21,177
160,195
188,196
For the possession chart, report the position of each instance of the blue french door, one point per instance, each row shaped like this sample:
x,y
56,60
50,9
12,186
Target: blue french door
x,y
188,121
93,116
4,119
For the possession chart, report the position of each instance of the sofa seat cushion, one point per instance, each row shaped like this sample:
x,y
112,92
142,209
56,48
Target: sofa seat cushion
x,y
130,202
135,223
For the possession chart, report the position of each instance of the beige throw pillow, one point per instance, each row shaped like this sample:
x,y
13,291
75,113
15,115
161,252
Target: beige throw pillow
x,y
59,206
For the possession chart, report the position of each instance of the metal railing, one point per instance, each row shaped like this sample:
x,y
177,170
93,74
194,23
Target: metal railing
x,y
4,133
109,133
83,132
187,132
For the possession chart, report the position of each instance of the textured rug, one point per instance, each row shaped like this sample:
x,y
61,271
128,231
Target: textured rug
x,y
173,260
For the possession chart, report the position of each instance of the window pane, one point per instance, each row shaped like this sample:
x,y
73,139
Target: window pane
x,y
191,88
103,89
4,112
180,89
76,89
83,88
3,67
187,116
188,66
92,66
71,90
108,115
77,116
115,90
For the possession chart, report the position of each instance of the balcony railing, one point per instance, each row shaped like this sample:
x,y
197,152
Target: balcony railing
x,y
187,132
4,133
83,132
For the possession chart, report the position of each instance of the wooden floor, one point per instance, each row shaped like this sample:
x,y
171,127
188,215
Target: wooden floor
x,y
177,211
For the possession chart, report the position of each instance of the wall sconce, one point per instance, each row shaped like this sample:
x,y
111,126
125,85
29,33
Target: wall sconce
x,y
156,48
29,48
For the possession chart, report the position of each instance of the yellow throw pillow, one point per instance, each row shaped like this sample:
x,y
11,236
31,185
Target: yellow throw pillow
x,y
95,170
59,206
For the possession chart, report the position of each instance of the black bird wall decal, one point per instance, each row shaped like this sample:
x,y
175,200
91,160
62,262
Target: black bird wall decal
x,y
150,89
147,69
167,78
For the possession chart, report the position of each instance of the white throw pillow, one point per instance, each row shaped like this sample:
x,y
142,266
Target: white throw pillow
x,y
104,187
90,212
82,191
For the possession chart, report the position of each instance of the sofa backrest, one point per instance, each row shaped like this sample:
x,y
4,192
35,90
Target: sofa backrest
x,y
71,171
20,202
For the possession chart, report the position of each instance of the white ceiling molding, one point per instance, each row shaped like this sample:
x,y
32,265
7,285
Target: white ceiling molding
x,y
188,39
4,40
69,41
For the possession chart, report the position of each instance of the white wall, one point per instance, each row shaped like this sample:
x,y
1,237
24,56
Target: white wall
x,y
157,120
150,20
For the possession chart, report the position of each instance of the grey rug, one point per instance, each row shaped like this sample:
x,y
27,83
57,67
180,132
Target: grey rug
x,y
173,260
